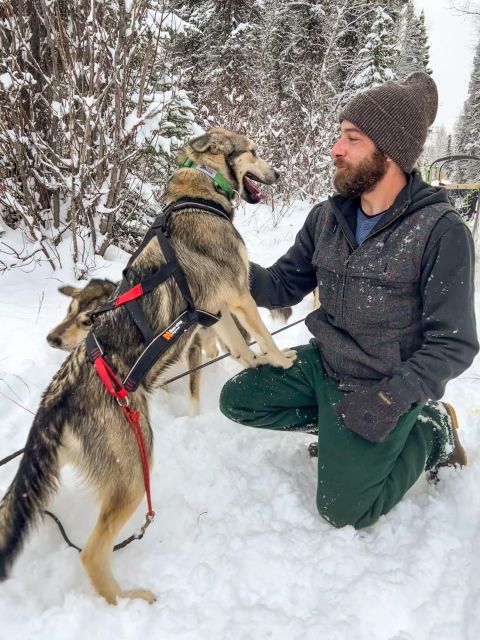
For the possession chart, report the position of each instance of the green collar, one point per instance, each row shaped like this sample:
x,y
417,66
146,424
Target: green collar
x,y
217,178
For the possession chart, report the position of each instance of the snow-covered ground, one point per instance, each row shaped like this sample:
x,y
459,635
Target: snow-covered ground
x,y
237,550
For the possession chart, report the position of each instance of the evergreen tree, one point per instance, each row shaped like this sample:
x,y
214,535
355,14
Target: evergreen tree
x,y
376,60
221,59
412,43
468,137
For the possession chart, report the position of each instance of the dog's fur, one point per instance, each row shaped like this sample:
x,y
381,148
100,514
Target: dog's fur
x,y
80,423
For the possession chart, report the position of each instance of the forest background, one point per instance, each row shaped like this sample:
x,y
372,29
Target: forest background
x,y
97,96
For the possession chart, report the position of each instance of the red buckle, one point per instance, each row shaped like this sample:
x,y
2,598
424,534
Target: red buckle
x,y
131,294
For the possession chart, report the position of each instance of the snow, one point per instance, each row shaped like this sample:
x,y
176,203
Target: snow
x,y
237,550
6,80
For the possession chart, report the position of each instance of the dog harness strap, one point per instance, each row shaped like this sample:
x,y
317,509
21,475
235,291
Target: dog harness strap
x,y
178,272
134,308
109,379
137,290
207,319
156,347
131,294
161,343
137,315
114,388
105,373
184,204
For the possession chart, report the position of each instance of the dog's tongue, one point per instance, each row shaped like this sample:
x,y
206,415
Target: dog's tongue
x,y
255,194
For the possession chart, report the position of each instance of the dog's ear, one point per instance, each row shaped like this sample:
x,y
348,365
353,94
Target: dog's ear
x,y
102,286
201,144
212,142
69,291
109,286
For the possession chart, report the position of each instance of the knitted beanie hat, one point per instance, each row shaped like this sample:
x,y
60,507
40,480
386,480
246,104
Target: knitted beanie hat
x,y
396,116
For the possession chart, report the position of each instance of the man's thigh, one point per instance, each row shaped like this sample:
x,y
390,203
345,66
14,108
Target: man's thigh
x,y
274,398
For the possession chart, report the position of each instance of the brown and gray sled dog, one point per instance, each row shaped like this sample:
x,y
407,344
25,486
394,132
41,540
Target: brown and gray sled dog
x,y
78,422
75,325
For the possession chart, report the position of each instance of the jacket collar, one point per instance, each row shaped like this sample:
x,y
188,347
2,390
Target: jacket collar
x,y
415,195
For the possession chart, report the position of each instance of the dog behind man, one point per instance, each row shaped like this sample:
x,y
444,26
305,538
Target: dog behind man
x,y
78,422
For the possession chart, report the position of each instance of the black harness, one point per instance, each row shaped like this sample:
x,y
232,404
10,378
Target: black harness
x,y
156,345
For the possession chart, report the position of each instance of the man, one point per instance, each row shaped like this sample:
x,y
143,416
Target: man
x,y
393,263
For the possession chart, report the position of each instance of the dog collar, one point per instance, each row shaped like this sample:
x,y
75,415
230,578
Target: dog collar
x,y
217,178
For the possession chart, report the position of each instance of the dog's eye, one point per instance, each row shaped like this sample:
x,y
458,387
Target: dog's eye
x,y
254,153
86,322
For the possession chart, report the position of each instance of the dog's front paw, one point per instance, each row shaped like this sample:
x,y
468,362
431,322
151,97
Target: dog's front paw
x,y
248,359
283,359
288,358
291,354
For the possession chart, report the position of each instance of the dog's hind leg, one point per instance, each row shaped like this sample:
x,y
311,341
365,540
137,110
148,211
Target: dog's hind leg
x,y
194,360
208,340
115,509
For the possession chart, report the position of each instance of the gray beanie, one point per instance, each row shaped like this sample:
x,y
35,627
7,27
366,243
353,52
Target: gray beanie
x,y
396,116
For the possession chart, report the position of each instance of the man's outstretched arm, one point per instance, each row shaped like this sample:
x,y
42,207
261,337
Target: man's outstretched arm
x,y
292,276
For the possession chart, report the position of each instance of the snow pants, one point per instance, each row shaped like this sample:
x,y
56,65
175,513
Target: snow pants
x,y
358,481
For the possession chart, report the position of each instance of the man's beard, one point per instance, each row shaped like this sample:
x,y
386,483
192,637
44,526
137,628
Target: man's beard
x,y
352,182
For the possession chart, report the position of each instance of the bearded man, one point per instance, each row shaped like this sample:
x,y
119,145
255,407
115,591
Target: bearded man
x,y
393,263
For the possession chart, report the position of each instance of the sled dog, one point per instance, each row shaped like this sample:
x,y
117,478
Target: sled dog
x,y
85,300
78,422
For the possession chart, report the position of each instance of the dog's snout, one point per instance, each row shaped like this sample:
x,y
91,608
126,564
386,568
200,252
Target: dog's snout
x,y
54,340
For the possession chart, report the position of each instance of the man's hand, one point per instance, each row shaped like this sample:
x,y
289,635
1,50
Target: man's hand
x,y
372,412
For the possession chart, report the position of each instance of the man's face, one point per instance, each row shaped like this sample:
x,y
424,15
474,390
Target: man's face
x,y
360,165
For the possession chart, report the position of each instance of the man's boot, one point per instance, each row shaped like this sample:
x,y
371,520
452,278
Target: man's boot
x,y
458,455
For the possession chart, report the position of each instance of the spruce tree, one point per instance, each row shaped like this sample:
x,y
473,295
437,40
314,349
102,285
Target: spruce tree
x,y
376,60
468,138
221,59
412,43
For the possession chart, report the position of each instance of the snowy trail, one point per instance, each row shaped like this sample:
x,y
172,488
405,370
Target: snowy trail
x,y
237,550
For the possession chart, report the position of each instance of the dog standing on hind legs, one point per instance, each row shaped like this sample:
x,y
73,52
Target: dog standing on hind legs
x,y
79,422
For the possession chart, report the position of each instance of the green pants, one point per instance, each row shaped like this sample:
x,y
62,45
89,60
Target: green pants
x,y
358,481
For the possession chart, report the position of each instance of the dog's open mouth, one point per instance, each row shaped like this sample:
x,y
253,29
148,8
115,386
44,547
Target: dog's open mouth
x,y
252,192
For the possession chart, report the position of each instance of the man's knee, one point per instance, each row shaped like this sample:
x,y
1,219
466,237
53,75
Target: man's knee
x,y
342,509
232,401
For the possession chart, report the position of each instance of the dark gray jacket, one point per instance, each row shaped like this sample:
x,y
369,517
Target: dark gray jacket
x,y
400,305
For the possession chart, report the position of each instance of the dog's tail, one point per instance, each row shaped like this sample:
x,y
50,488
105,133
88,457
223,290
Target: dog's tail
x,y
33,485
